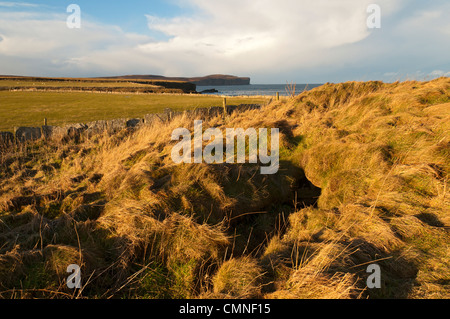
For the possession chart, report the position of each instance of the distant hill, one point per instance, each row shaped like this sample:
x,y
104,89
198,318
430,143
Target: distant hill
x,y
215,79
113,84
209,80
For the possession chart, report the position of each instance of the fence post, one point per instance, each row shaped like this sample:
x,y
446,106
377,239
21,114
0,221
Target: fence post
x,y
225,107
278,96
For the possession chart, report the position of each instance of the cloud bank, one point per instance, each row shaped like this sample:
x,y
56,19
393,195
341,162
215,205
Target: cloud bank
x,y
272,41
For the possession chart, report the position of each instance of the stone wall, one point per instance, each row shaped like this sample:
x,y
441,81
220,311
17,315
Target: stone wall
x,y
22,134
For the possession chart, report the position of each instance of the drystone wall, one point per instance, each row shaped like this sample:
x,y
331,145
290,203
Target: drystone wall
x,y
22,134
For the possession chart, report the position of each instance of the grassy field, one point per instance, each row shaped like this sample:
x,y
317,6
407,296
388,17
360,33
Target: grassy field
x,y
11,81
30,108
93,83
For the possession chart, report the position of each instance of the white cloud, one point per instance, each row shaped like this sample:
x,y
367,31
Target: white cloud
x,y
250,35
17,4
433,19
438,73
43,42
281,40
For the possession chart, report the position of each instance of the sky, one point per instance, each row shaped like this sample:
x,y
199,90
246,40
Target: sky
x,y
301,41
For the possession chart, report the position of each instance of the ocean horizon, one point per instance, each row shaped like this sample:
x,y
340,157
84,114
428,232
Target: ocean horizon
x,y
255,89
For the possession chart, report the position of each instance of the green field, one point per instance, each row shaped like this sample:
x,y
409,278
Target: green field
x,y
30,108
75,84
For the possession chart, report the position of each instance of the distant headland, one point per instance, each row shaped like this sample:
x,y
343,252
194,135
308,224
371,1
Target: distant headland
x,y
118,84
209,80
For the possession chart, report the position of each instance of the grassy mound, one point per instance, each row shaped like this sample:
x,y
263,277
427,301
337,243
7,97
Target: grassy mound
x,y
364,172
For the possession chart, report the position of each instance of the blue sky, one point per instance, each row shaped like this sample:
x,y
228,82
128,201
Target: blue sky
x,y
303,41
129,15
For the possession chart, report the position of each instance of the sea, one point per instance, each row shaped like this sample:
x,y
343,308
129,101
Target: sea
x,y
256,89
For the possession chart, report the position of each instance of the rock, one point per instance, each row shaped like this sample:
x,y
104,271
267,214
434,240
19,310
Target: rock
x,y
47,131
79,126
6,137
27,133
64,132
175,114
215,111
149,119
113,126
242,108
96,127
118,125
209,91
133,123
75,130
156,118
170,113
231,109
163,117
57,132
200,113
247,107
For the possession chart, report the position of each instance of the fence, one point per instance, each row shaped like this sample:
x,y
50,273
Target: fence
x,y
22,134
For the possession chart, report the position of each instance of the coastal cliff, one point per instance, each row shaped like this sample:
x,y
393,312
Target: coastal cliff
x,y
217,80
210,80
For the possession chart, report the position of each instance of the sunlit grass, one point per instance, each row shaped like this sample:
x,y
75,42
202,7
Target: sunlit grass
x,y
30,108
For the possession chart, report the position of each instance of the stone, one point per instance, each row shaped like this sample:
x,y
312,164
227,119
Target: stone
x,y
78,126
47,131
27,133
6,137
209,91
133,123
68,131
200,113
74,130
170,114
113,126
163,117
150,119
215,111
58,132
175,114
96,127
252,107
231,109
118,125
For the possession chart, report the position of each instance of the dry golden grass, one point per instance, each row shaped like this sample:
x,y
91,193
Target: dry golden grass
x,y
238,278
142,227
